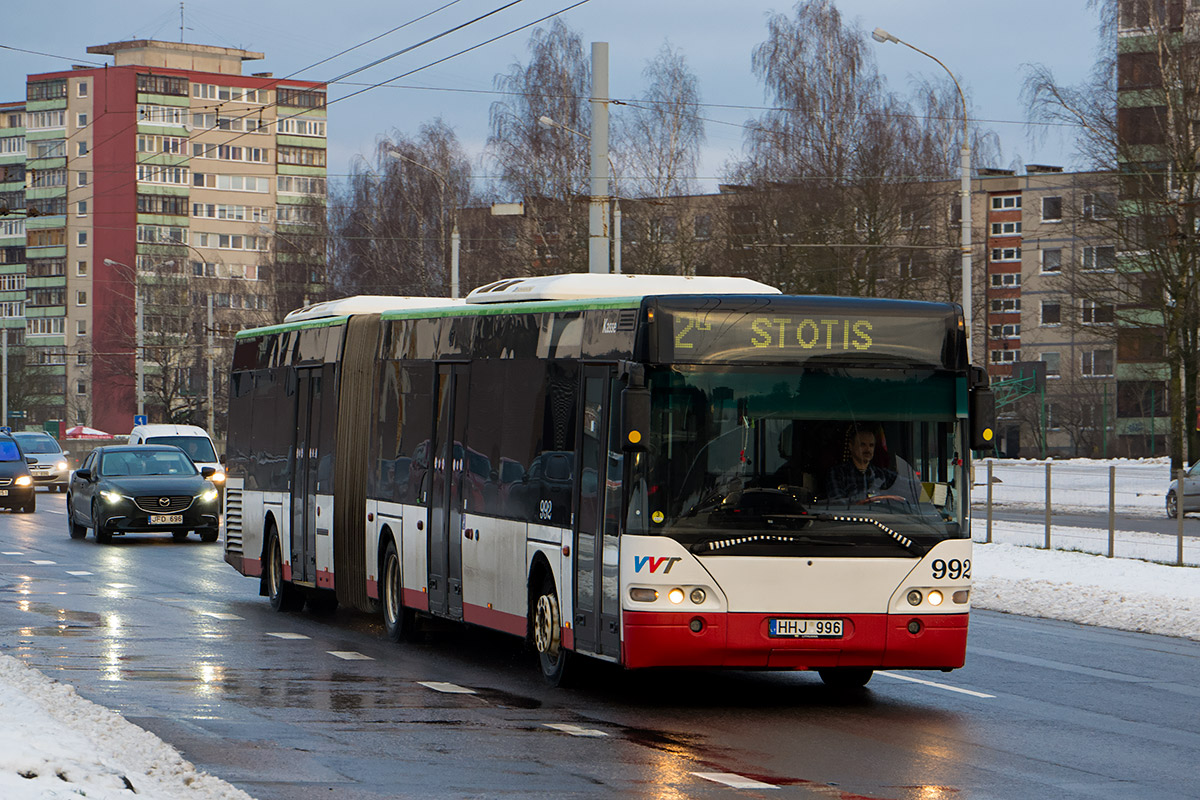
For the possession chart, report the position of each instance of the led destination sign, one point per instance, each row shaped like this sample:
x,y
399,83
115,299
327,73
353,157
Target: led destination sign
x,y
800,329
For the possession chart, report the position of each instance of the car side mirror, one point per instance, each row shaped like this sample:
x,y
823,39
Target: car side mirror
x,y
221,458
208,472
30,460
83,474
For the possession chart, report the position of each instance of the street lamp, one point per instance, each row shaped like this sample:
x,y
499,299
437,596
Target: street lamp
x,y
880,35
549,122
139,332
454,237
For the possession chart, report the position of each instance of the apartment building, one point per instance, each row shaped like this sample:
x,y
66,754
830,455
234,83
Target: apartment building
x,y
139,194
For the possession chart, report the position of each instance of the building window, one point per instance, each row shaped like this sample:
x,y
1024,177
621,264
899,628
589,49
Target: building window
x,y
81,208
81,268
1006,254
1051,209
81,359
1052,260
81,89
1052,361
1011,331
1100,258
81,297
80,387
81,120
81,327
1007,304
1097,363
82,179
1006,279
1098,313
81,238
1006,228
1005,356
1051,313
81,148
1097,206
1006,203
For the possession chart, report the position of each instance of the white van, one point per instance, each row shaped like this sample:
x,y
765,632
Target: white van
x,y
191,439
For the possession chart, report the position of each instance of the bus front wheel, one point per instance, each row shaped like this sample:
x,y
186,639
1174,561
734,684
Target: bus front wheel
x,y
282,595
547,634
399,623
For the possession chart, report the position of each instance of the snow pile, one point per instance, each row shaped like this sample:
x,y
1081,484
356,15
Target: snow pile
x,y
56,744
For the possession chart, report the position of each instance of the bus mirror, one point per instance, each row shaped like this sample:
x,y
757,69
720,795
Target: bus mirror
x,y
635,418
983,419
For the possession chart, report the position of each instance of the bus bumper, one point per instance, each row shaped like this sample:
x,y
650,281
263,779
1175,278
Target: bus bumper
x,y
741,641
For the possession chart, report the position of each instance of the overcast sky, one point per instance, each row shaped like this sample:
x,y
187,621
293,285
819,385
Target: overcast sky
x,y
986,44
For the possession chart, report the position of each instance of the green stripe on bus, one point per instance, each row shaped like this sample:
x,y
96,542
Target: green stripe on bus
x,y
324,322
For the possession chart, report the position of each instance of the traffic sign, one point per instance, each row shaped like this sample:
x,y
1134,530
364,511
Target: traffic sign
x,y
139,419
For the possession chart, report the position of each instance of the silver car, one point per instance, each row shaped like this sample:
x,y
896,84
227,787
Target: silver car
x,y
52,469
1191,492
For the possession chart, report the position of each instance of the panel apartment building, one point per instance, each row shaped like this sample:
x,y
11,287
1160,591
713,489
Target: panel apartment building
x,y
169,178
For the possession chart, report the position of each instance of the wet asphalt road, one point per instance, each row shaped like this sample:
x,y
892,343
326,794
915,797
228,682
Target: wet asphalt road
x,y
297,706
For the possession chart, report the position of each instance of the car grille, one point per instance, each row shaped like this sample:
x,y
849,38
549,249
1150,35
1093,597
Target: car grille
x,y
153,504
5,481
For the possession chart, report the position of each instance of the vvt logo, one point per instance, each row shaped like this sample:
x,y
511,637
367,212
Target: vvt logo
x,y
654,563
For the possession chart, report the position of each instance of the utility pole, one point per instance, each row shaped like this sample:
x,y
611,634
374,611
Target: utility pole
x,y
140,355
208,353
4,379
598,244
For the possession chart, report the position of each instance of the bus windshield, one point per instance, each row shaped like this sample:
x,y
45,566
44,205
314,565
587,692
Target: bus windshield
x,y
844,462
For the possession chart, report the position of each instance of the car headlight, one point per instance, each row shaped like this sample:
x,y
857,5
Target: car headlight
x,y
60,466
218,477
112,497
24,480
208,495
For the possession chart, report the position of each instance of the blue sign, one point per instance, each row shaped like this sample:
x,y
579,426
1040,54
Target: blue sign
x,y
139,419
5,429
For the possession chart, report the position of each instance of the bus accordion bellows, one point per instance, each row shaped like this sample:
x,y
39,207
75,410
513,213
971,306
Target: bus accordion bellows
x,y
649,470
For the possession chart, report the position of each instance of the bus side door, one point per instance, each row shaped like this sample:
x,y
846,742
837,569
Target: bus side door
x,y
598,495
304,475
446,495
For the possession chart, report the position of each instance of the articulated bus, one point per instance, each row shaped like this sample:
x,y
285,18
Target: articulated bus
x,y
652,471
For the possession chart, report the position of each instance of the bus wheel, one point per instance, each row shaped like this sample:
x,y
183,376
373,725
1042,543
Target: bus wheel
x,y
399,623
846,677
547,634
283,596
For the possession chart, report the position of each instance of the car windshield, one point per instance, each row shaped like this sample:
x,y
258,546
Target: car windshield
x,y
131,463
38,444
856,462
9,451
198,448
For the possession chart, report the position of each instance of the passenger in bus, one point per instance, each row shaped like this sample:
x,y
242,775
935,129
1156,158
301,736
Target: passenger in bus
x,y
859,479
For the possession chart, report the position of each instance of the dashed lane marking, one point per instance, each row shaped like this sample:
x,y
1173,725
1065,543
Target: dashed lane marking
x,y
220,615
349,655
12,553
935,685
288,635
78,572
575,730
448,688
736,781
42,562
120,585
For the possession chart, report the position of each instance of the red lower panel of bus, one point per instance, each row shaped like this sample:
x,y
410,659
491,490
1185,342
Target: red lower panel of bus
x,y
741,640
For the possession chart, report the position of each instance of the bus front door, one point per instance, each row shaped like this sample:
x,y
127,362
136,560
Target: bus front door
x,y
304,476
598,497
446,495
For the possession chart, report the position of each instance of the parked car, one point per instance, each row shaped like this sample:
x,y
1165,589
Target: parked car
x,y
191,439
52,469
142,489
16,482
1191,492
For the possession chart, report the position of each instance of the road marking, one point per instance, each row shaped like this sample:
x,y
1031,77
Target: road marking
x,y
42,563
736,781
120,585
12,553
78,572
934,684
288,635
349,655
220,615
448,688
575,730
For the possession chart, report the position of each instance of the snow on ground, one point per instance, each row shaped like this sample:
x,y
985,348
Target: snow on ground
x,y
55,744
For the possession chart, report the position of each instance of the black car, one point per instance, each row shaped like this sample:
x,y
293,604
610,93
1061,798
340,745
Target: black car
x,y
16,482
141,489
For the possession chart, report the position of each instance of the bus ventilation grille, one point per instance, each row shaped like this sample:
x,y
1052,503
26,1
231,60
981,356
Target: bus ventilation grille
x,y
233,520
627,320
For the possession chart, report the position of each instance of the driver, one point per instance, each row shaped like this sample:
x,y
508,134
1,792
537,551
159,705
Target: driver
x,y
858,480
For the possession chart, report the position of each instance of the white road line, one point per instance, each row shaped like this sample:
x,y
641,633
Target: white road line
x,y
736,781
349,655
220,615
575,730
288,635
42,563
448,688
12,553
78,572
934,684
120,585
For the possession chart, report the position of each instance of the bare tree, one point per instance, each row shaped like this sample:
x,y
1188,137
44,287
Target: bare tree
x,y
1150,141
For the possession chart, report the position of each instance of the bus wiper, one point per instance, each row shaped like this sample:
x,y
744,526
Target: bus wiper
x,y
900,539
709,545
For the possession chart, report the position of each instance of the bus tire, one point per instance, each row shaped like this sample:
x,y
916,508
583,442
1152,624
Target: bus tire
x,y
845,678
547,634
399,623
282,595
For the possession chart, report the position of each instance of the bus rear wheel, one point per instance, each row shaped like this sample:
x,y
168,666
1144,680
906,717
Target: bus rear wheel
x,y
547,634
282,595
399,623
844,678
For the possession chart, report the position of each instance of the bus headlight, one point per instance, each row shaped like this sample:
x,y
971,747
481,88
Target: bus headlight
x,y
675,596
935,598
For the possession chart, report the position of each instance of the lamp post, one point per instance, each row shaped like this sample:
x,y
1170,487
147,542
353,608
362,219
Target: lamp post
x,y
880,35
549,122
139,359
454,237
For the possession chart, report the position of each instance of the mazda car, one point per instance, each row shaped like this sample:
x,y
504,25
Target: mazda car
x,y
123,489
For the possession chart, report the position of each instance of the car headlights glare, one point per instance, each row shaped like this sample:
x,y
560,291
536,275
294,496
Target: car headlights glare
x,y
112,497
209,495
24,480
60,466
218,477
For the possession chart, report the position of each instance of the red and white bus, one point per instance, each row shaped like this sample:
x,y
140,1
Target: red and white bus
x,y
652,471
